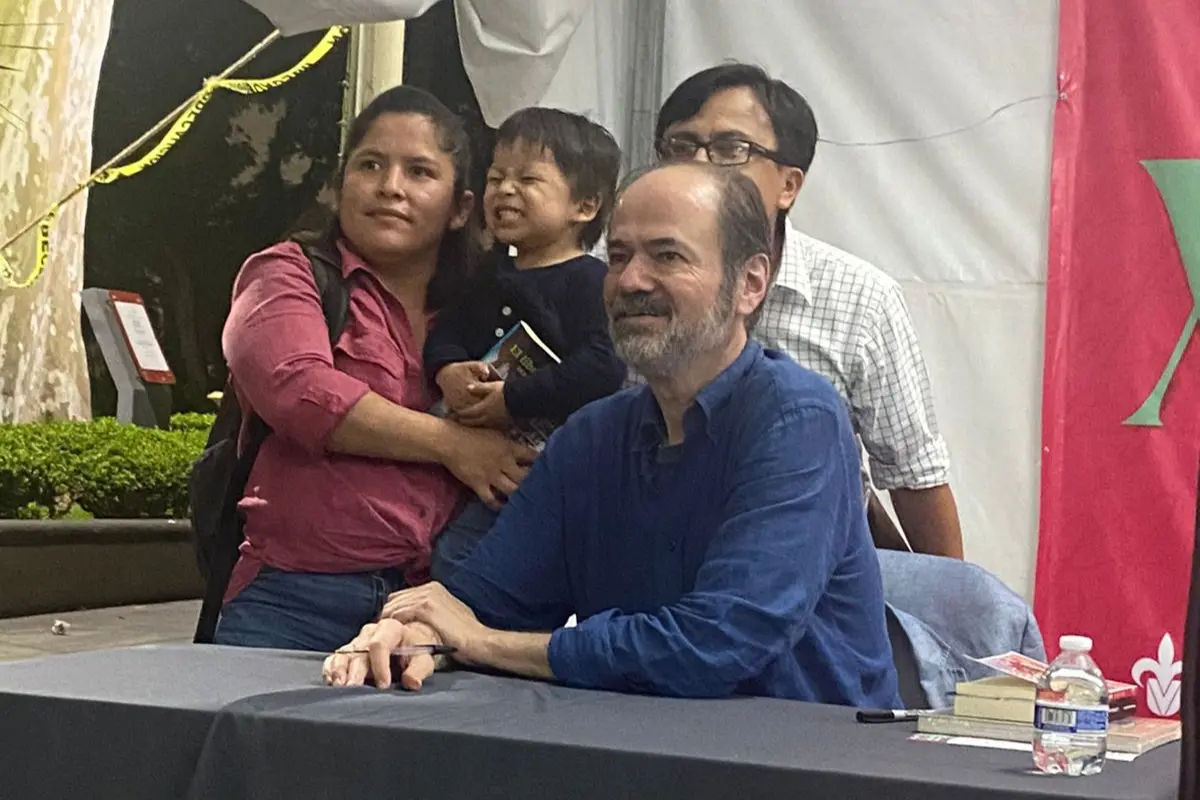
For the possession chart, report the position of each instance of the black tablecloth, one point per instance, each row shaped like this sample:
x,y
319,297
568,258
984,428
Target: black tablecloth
x,y
210,722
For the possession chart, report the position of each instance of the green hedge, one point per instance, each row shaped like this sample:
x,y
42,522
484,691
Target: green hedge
x,y
101,469
192,422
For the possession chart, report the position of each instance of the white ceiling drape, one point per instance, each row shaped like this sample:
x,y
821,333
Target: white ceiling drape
x,y
511,49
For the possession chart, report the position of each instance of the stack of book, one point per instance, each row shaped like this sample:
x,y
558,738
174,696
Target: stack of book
x,y
1001,707
1006,699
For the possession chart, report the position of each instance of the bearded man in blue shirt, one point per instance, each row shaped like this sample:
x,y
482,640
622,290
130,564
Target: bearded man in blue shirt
x,y
707,529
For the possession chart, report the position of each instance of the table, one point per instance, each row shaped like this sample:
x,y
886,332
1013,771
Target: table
x,y
203,722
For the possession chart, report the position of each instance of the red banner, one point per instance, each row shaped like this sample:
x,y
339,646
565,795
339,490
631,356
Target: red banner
x,y
1121,408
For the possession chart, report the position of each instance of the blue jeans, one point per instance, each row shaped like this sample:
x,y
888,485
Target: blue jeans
x,y
459,539
305,610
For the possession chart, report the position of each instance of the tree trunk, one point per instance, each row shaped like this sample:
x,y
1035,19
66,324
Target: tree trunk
x,y
53,49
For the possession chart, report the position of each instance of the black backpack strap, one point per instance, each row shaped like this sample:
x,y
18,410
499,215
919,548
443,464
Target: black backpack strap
x,y
335,295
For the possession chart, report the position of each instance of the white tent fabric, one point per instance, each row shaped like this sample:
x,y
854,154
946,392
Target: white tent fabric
x,y
947,188
299,16
612,73
511,48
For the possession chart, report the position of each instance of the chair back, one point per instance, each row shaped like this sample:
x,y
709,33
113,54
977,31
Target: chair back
x,y
1189,778
952,611
908,669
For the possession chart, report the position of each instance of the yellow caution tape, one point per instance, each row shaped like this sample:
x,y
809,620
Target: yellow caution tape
x,y
182,124
241,86
171,138
8,276
258,85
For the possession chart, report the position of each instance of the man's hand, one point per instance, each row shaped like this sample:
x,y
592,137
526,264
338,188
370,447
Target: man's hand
x,y
455,379
432,605
488,410
487,462
524,654
378,640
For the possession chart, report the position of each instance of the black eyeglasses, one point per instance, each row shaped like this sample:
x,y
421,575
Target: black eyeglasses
x,y
723,152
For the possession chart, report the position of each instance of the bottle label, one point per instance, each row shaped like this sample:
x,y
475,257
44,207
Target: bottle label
x,y
1063,718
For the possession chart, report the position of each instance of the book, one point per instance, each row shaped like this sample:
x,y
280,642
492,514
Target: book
x,y
1008,699
1137,735
1024,668
999,698
519,352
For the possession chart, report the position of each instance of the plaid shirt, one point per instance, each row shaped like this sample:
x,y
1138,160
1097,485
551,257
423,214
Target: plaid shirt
x,y
847,321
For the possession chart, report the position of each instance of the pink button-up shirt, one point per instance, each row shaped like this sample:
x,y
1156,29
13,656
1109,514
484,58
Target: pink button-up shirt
x,y
308,509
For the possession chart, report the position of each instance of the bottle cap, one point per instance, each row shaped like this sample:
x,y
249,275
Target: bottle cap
x,y
1076,644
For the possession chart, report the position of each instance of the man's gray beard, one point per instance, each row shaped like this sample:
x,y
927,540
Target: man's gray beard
x,y
659,356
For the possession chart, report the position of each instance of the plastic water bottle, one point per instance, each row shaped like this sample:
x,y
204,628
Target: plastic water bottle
x,y
1070,715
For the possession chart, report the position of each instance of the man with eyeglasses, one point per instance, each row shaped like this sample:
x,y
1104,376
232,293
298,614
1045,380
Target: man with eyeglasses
x,y
832,312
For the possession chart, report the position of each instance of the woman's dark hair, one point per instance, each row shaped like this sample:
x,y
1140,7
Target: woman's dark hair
x,y
459,251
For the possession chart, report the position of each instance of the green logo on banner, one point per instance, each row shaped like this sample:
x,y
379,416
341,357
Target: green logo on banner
x,y
1178,181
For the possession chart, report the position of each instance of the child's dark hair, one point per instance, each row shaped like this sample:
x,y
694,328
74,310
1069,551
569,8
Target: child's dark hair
x,y
459,251
585,151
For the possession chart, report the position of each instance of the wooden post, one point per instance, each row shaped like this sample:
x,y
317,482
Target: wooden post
x,y
376,61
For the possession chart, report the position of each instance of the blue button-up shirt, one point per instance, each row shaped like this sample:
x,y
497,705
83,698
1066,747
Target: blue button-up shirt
x,y
737,562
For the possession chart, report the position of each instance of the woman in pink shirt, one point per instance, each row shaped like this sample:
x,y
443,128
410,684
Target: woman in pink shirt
x,y
356,479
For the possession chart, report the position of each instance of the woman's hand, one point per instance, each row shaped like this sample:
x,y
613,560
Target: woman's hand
x,y
369,656
486,461
488,409
455,379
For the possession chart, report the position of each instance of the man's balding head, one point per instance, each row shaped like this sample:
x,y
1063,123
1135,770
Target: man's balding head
x,y
689,250
742,225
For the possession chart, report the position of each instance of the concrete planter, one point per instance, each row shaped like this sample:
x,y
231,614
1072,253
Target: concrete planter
x,y
63,565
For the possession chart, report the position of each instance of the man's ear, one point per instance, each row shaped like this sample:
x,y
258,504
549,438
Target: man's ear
x,y
586,210
756,281
793,181
462,210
